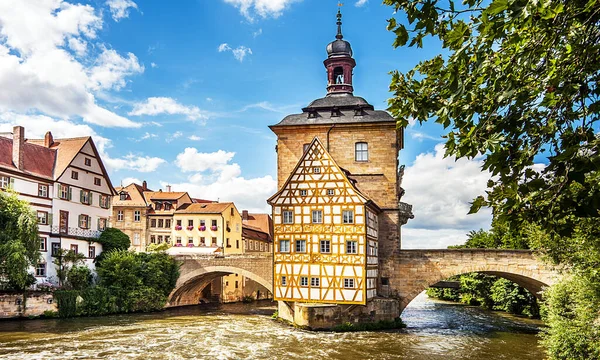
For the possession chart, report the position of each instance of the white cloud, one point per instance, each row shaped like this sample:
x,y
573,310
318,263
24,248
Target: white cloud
x,y
129,180
264,8
133,162
165,105
173,136
420,136
195,138
440,190
192,160
111,69
36,127
209,99
257,33
119,9
432,239
239,53
216,177
38,69
360,3
153,65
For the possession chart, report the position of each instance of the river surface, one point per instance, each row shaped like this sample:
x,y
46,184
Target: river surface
x,y
436,330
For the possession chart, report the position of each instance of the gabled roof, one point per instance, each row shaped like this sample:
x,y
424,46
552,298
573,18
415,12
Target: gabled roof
x,y
251,232
37,160
136,196
262,222
203,208
163,195
317,154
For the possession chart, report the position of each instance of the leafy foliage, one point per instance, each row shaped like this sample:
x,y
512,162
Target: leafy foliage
x,y
19,244
114,239
518,84
64,261
79,278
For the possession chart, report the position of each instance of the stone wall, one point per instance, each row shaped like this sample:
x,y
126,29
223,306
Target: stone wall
x,y
197,271
11,304
409,272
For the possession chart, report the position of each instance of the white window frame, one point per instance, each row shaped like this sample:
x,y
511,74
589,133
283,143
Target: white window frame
x,y
63,192
304,281
284,246
349,283
43,190
317,216
315,282
120,215
4,182
137,216
100,221
316,170
303,192
84,221
325,246
348,217
300,246
42,220
330,192
42,267
361,151
288,217
284,280
351,247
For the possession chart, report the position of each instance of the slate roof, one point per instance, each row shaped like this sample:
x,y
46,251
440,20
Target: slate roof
x,y
337,109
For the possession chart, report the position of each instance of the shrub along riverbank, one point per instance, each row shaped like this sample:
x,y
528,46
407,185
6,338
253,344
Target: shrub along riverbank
x,y
127,282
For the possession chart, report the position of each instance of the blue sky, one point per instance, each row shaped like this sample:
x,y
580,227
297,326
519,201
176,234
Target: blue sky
x,y
182,93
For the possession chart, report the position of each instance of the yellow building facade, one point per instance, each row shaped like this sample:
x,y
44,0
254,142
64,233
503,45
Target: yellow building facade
x,y
325,234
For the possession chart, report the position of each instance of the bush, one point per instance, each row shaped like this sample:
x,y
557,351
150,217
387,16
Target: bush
x,y
66,300
79,278
97,301
114,239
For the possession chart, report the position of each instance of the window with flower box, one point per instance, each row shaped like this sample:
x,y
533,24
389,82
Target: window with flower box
x,y
190,241
178,240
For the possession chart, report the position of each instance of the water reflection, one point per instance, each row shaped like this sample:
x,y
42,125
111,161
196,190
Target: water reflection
x,y
436,330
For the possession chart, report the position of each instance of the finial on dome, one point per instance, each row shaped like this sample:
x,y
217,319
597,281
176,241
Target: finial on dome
x,y
339,22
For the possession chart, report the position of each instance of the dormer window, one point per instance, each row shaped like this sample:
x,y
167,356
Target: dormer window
x,y
123,196
335,112
158,206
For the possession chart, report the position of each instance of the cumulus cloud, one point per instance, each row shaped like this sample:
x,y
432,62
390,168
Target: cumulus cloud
x,y
215,176
195,138
165,105
40,72
129,180
119,9
360,3
239,53
263,8
36,127
440,190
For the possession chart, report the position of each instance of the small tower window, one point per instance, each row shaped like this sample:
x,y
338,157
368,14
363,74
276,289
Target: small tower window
x,y
338,75
361,151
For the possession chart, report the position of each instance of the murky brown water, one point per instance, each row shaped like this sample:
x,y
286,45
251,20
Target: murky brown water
x,y
435,330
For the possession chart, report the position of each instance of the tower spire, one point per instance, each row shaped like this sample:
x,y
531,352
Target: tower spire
x,y
339,22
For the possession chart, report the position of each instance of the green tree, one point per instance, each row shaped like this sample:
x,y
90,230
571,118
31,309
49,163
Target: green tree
x,y
114,239
79,278
517,84
64,261
19,243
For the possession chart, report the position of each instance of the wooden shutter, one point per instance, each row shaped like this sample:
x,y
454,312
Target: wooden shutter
x,y
90,198
12,183
70,193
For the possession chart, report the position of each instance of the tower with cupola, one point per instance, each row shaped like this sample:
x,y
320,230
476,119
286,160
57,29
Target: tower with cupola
x,y
337,211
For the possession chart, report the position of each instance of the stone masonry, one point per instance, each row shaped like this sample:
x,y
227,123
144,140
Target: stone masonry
x,y
199,271
408,272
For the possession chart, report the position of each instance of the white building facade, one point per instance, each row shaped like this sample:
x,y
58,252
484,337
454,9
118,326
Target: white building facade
x,y
66,183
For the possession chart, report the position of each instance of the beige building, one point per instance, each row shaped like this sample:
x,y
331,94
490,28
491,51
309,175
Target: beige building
x,y
129,214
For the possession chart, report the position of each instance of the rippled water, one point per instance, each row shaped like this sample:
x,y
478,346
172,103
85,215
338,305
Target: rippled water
x,y
436,330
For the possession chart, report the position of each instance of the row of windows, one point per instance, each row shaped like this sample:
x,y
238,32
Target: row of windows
x,y
317,217
85,196
160,223
316,282
83,221
361,151
257,245
40,269
203,241
190,223
75,176
324,246
329,192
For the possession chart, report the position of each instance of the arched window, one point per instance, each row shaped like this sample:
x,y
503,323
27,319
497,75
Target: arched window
x,y
361,151
338,75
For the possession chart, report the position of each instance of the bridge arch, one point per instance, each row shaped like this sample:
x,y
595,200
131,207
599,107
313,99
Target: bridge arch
x,y
192,282
417,270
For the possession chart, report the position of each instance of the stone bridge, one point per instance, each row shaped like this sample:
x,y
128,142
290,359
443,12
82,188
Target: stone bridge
x,y
198,270
409,272
404,274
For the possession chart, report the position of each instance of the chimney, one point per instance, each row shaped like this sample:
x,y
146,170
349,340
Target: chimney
x,y
244,215
168,188
144,185
48,139
18,142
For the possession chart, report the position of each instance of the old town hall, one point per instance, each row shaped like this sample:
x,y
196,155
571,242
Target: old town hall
x,y
338,204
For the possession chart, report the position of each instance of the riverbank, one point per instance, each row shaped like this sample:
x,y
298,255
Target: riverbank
x,y
435,330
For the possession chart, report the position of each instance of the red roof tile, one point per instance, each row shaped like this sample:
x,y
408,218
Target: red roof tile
x,y
37,160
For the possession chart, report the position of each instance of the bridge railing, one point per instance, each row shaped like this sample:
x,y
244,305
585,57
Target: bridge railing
x,y
221,256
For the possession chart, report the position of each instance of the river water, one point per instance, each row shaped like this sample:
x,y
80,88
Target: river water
x,y
436,330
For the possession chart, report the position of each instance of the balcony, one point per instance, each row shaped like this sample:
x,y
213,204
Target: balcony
x,y
76,232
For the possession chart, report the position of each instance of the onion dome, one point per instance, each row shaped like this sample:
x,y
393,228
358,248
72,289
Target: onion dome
x,y
339,47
